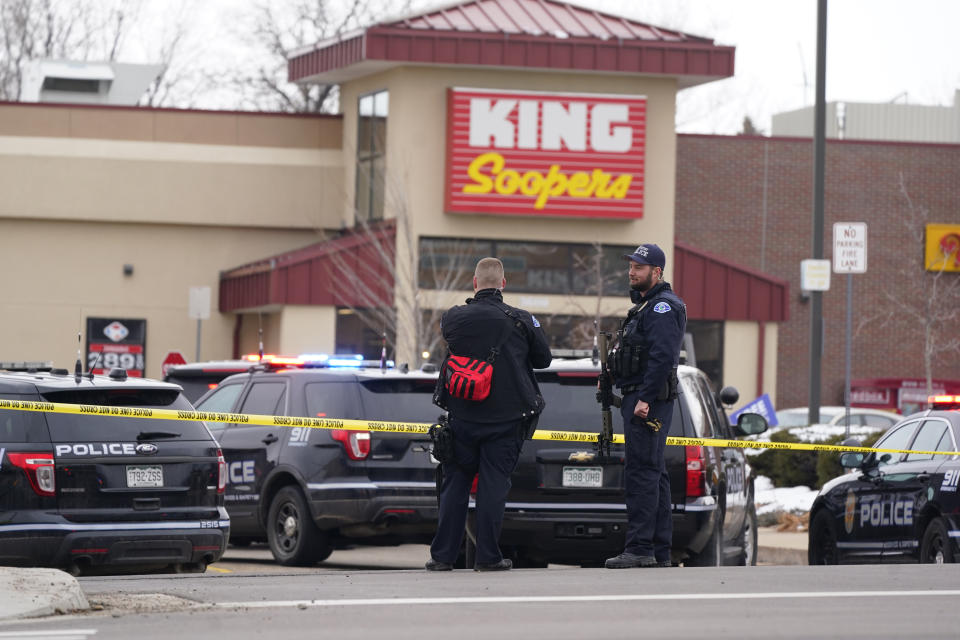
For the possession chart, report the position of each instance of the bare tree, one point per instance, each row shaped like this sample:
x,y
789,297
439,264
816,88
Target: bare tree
x,y
78,30
58,29
593,278
390,248
931,304
277,31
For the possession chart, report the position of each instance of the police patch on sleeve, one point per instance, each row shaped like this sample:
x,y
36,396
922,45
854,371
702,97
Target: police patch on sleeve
x,y
661,307
536,322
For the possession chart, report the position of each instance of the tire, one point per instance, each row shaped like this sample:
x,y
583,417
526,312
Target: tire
x,y
822,545
748,538
292,534
712,553
936,546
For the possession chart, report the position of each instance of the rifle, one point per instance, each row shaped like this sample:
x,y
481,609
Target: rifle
x,y
606,398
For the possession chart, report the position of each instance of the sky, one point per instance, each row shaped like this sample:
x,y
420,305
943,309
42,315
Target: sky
x,y
877,51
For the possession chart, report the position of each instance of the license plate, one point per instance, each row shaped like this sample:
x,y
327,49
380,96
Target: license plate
x,y
145,476
583,476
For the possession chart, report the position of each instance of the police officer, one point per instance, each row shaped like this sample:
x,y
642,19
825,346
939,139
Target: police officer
x,y
488,434
644,367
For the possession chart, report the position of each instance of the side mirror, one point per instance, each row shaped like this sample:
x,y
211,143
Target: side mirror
x,y
751,424
729,395
852,459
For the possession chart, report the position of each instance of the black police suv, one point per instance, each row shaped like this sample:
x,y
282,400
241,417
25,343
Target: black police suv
x,y
197,378
894,507
307,491
567,504
94,493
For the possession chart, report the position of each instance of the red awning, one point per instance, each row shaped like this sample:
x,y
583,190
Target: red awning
x,y
716,289
538,34
712,287
309,276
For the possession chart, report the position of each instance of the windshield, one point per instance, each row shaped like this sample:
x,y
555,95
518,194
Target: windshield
x,y
571,399
399,400
68,427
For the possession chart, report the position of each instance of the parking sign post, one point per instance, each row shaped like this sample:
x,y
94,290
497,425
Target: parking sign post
x,y
849,257
199,309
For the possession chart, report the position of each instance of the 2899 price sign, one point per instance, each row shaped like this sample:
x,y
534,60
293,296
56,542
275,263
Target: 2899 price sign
x,y
116,342
103,357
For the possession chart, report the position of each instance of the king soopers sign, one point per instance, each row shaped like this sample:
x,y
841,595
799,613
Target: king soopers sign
x,y
525,153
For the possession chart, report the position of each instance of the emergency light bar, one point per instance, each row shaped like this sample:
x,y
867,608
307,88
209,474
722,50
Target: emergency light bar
x,y
944,402
317,361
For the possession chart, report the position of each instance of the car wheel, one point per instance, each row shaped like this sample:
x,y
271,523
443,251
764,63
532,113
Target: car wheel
x,y
936,546
822,542
292,534
712,553
748,538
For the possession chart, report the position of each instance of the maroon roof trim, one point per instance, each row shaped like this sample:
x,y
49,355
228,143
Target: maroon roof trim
x,y
385,44
121,107
716,289
520,33
308,276
712,287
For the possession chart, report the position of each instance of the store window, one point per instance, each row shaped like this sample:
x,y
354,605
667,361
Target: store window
x,y
529,267
372,111
708,349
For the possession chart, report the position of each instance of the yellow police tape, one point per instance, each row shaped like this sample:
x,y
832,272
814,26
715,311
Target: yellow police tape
x,y
405,427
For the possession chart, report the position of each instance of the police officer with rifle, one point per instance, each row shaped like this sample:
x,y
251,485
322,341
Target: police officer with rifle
x,y
643,366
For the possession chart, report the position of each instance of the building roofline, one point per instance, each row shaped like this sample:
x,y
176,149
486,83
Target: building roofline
x,y
114,107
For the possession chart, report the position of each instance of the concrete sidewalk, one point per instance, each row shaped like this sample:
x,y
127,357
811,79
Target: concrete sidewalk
x,y
30,593
781,547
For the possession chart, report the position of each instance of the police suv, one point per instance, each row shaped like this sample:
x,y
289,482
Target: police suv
x,y
94,493
307,491
895,507
567,504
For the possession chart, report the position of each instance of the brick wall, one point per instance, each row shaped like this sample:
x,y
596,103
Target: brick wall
x,y
720,209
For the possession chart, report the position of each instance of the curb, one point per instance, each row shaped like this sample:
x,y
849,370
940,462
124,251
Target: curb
x,y
781,556
31,593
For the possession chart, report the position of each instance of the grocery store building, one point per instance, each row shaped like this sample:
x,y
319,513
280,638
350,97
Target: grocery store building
x,y
539,132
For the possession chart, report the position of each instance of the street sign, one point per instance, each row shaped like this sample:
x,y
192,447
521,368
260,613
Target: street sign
x,y
815,275
199,303
849,247
172,358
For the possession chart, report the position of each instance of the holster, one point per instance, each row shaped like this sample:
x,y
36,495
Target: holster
x,y
441,437
669,391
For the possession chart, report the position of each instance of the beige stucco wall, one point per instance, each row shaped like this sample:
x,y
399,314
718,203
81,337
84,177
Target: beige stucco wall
x,y
416,161
88,179
740,350
58,273
771,333
180,195
307,329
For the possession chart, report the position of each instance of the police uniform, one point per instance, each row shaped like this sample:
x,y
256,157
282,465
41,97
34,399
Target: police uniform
x,y
644,366
488,434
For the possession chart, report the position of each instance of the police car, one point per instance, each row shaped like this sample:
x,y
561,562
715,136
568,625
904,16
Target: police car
x,y
197,378
92,494
308,491
895,507
567,504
